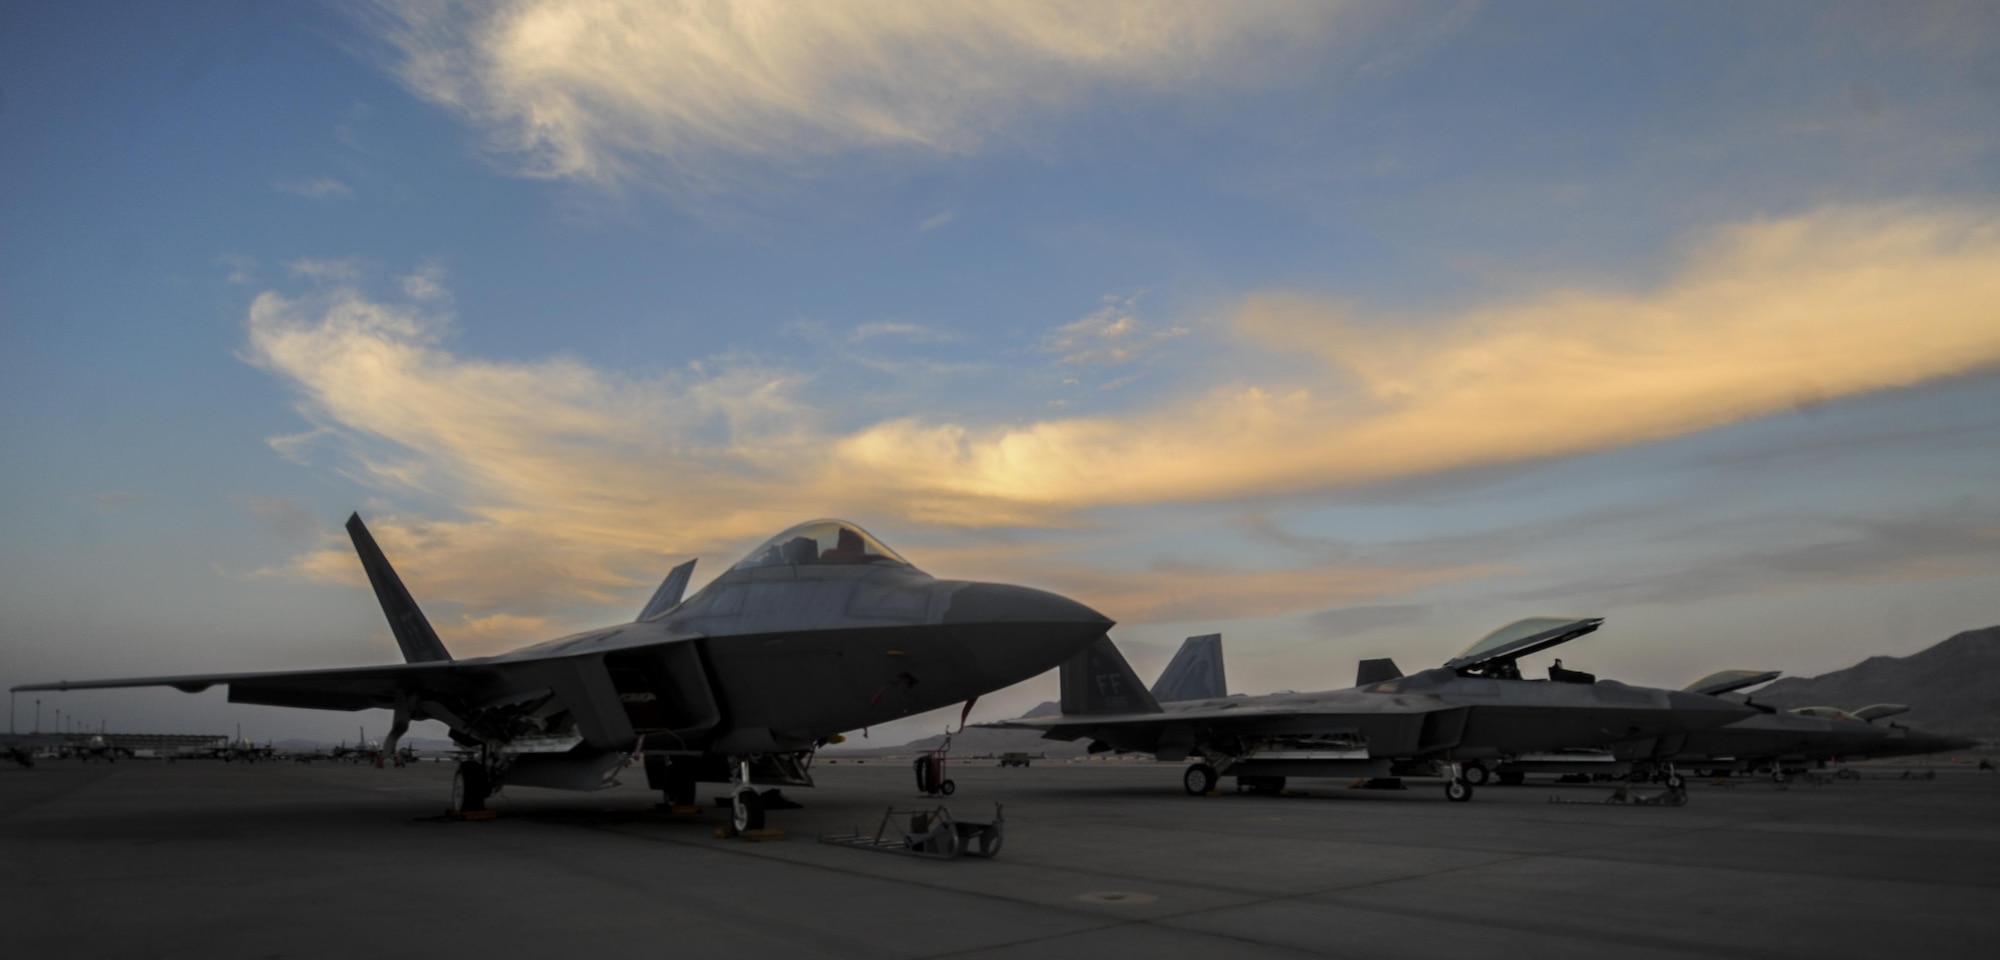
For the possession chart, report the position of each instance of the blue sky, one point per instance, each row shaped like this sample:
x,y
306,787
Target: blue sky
x,y
1345,330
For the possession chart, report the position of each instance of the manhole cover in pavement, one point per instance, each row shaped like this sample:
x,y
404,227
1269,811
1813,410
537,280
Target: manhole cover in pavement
x,y
1115,896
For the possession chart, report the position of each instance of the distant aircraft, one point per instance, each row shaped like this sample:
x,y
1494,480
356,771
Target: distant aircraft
x,y
820,630
1474,708
21,747
1785,740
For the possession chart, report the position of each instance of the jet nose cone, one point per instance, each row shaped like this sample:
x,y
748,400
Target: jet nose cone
x,y
1018,632
999,603
1695,711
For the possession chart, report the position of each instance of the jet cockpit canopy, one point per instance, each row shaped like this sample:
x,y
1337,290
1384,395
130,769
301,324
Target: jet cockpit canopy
x,y
1824,713
1724,681
1495,653
821,542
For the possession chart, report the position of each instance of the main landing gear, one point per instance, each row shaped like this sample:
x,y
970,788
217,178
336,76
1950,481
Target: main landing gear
x,y
470,787
1198,780
1476,774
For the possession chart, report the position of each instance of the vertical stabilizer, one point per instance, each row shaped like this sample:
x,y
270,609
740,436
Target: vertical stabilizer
x,y
669,594
1195,673
1375,671
1099,681
413,632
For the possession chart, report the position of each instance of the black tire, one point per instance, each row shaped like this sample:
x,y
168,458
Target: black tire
x,y
1477,775
680,785
1198,780
746,810
1457,791
469,787
948,787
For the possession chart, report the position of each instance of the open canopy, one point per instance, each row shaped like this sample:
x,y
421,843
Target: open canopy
x,y
1523,637
1723,681
821,541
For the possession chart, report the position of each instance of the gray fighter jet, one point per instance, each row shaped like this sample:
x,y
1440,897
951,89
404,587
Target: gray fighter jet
x,y
820,630
1783,740
1475,707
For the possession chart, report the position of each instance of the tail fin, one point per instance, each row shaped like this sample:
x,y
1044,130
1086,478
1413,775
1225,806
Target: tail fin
x,y
1375,671
1195,673
669,594
413,632
1099,681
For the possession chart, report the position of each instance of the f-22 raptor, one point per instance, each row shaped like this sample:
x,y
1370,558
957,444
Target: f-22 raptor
x,y
820,630
1476,707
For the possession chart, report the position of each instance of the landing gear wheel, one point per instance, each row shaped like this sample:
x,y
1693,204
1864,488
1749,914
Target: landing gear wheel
x,y
948,788
1676,782
1476,775
1457,791
746,810
469,787
1198,780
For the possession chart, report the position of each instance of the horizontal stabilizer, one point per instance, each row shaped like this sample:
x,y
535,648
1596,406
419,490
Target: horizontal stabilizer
x,y
413,631
1376,671
669,595
1195,673
1099,681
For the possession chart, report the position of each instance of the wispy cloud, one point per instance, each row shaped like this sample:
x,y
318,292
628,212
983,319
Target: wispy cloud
x,y
426,285
588,481
1111,335
907,332
937,221
242,269
618,89
319,188
342,270
1764,317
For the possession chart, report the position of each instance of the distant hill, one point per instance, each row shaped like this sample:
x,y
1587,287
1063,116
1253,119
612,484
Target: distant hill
x,y
1952,687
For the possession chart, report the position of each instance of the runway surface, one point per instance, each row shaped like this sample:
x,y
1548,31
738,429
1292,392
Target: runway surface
x,y
206,859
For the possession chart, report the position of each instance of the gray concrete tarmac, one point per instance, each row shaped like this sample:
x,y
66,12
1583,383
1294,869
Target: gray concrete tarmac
x,y
206,859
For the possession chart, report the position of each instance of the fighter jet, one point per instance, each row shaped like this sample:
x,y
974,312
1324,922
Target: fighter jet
x,y
820,630
1475,707
1783,740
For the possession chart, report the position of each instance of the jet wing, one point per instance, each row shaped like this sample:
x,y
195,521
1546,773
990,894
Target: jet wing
x,y
1394,723
339,688
546,666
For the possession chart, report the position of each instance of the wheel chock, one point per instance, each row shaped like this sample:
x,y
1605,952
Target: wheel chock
x,y
727,832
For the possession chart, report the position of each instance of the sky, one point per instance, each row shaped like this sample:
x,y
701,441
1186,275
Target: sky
x,y
1344,330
